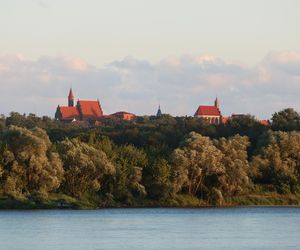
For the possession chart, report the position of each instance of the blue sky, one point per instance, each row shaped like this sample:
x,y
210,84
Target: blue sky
x,y
131,53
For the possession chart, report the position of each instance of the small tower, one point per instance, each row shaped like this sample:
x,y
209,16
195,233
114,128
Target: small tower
x,y
159,113
217,103
71,98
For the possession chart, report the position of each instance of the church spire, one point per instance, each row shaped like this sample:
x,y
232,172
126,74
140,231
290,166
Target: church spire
x,y
71,98
217,103
159,113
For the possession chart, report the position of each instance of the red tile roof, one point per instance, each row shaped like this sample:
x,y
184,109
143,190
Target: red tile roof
x,y
68,113
225,119
123,115
89,109
208,111
264,122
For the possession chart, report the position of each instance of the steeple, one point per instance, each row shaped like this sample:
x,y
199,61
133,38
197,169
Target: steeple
x,y
71,98
217,103
159,113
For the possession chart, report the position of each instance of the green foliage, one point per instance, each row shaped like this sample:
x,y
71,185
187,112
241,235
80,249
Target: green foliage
x,y
28,164
196,165
126,182
2,122
216,197
151,161
184,200
265,199
235,160
286,120
157,179
84,167
30,121
278,162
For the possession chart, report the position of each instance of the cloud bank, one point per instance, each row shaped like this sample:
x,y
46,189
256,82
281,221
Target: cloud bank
x,y
180,83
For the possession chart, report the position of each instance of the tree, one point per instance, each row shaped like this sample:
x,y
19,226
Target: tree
x,y
286,120
84,167
31,121
157,179
28,162
130,162
2,122
196,165
278,161
234,159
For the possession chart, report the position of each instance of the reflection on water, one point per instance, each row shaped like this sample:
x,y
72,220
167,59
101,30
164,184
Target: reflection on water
x,y
226,228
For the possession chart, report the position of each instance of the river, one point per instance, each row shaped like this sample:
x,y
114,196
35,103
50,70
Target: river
x,y
162,228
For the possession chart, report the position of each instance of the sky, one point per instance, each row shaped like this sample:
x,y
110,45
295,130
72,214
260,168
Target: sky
x,y
131,54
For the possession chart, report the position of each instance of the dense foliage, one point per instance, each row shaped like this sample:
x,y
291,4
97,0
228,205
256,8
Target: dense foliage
x,y
169,161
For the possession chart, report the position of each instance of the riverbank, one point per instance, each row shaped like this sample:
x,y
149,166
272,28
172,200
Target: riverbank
x,y
61,201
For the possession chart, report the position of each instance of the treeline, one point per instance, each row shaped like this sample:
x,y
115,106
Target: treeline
x,y
165,161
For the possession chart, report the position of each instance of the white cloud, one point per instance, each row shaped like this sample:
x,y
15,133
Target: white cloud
x,y
181,84
43,4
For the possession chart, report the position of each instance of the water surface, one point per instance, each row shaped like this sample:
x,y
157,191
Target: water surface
x,y
225,228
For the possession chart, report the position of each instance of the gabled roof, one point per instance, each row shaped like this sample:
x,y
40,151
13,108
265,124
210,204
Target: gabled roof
x,y
208,111
122,113
68,113
89,109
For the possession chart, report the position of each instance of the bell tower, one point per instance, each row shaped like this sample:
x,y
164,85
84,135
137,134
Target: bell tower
x,y
217,103
71,98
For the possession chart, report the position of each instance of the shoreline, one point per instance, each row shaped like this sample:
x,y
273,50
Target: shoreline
x,y
181,201
129,208
26,206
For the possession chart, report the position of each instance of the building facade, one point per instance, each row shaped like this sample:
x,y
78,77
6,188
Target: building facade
x,y
84,110
210,113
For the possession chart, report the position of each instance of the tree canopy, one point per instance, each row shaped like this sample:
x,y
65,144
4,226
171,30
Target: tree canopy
x,y
151,160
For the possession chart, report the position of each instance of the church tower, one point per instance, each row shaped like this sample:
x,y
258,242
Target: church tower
x,y
217,103
159,113
71,98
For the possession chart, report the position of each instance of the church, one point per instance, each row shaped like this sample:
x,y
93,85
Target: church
x,y
210,113
84,110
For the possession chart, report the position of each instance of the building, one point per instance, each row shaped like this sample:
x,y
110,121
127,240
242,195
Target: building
x,y
85,110
124,115
265,122
225,119
210,113
159,113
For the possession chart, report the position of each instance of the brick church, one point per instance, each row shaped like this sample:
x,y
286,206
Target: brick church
x,y
210,113
84,110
